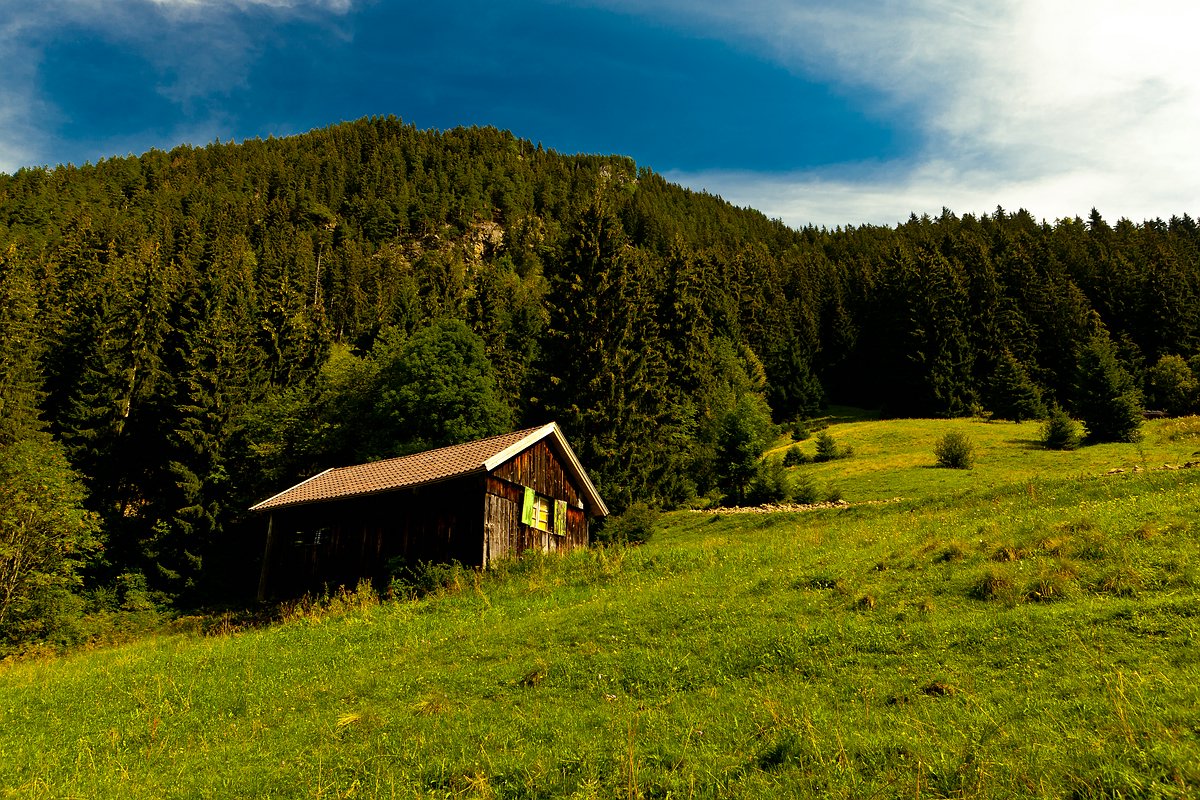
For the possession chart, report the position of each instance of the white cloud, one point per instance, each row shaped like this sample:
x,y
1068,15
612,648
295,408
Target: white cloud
x,y
339,6
1052,105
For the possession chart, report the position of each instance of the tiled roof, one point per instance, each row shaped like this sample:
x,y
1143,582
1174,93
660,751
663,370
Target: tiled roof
x,y
397,473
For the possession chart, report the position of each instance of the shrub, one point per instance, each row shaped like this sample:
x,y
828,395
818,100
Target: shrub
x,y
827,448
1060,432
424,577
955,451
805,491
794,456
634,526
1173,386
772,484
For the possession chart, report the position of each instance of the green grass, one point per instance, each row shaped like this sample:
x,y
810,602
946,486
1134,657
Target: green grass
x,y
895,458
1035,636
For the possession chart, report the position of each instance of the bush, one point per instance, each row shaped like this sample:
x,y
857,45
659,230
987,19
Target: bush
x,y
955,451
1060,432
1173,386
772,484
424,577
794,457
634,526
827,448
805,491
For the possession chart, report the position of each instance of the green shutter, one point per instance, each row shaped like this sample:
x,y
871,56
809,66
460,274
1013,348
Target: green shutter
x,y
560,517
527,507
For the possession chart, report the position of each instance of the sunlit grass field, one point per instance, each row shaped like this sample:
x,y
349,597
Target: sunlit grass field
x,y
1027,628
895,458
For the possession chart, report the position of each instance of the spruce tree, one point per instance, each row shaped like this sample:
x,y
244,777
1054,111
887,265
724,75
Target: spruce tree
x,y
20,349
603,365
1106,399
745,433
46,535
1014,395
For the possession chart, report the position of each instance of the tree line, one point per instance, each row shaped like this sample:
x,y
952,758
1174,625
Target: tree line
x,y
184,333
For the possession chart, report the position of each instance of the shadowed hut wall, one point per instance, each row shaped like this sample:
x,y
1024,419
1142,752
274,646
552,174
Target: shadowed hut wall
x,y
473,520
325,545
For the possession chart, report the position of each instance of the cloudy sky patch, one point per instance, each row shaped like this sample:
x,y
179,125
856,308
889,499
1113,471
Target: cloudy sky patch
x,y
863,111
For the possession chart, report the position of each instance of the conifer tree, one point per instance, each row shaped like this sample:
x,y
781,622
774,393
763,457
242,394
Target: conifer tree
x,y
1014,395
924,349
1106,399
20,349
46,535
744,436
603,364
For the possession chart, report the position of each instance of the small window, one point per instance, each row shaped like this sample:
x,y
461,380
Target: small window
x,y
312,538
539,511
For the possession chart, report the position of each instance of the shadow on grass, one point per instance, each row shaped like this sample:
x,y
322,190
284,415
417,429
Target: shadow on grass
x,y
837,415
1027,444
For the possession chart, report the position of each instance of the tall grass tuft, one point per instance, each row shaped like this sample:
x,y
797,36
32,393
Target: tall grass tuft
x,y
993,586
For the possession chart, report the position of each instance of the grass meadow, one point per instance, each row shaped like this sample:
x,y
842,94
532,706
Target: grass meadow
x,y
1027,628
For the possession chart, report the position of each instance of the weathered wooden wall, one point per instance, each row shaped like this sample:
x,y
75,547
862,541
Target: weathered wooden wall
x,y
473,520
540,469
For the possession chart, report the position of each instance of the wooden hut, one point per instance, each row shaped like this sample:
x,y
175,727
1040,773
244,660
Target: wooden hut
x,y
473,503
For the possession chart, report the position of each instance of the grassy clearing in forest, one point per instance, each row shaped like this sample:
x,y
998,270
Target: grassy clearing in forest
x,y
1031,637
895,458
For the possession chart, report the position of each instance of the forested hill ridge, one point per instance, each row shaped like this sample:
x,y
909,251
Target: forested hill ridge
x,y
197,329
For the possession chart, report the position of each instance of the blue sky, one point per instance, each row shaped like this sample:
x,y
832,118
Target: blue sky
x,y
814,112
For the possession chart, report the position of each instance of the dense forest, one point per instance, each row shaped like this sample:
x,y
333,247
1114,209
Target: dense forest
x,y
187,332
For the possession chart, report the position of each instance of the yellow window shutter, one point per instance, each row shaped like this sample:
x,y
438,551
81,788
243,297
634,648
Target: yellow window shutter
x,y
527,506
560,517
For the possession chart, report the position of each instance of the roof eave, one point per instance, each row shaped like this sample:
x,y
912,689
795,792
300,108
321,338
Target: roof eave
x,y
372,493
262,506
592,495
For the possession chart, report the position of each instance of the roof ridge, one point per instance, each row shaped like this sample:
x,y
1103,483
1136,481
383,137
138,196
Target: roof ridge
x,y
520,434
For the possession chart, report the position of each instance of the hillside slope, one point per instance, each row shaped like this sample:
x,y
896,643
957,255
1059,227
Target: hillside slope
x,y
197,329
1030,638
